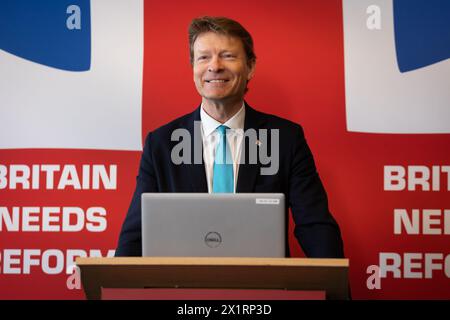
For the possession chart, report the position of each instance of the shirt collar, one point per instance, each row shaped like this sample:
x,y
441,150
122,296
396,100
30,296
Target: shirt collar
x,y
209,124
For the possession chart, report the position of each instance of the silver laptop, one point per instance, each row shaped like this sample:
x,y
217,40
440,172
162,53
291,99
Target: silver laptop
x,y
213,225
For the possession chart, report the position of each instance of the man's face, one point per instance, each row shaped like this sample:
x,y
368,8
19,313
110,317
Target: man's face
x,y
220,67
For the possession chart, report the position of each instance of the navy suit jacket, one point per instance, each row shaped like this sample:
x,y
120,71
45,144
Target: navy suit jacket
x,y
315,228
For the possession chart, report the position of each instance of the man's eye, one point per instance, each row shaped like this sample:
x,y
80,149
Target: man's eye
x,y
202,58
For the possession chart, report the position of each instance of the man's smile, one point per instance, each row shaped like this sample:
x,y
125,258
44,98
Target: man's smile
x,y
217,80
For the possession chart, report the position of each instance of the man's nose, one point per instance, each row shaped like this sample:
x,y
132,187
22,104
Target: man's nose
x,y
215,65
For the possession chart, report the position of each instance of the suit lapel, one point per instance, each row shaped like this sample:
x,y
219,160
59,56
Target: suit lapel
x,y
248,172
196,169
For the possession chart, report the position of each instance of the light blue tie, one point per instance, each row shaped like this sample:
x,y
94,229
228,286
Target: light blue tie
x,y
223,180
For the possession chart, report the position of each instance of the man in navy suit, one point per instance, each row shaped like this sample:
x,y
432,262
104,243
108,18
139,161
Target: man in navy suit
x,y
223,62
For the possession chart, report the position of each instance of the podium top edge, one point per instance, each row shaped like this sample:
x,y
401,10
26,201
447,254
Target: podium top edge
x,y
228,261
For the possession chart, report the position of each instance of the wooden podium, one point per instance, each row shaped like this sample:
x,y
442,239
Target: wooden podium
x,y
326,275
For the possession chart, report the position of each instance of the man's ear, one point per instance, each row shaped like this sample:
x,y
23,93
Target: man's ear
x,y
193,73
251,70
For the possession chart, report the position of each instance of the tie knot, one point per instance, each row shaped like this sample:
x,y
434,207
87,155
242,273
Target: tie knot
x,y
222,129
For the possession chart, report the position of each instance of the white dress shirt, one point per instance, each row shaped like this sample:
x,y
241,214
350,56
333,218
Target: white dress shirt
x,y
211,137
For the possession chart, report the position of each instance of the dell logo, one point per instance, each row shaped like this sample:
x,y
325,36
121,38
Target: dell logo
x,y
213,239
